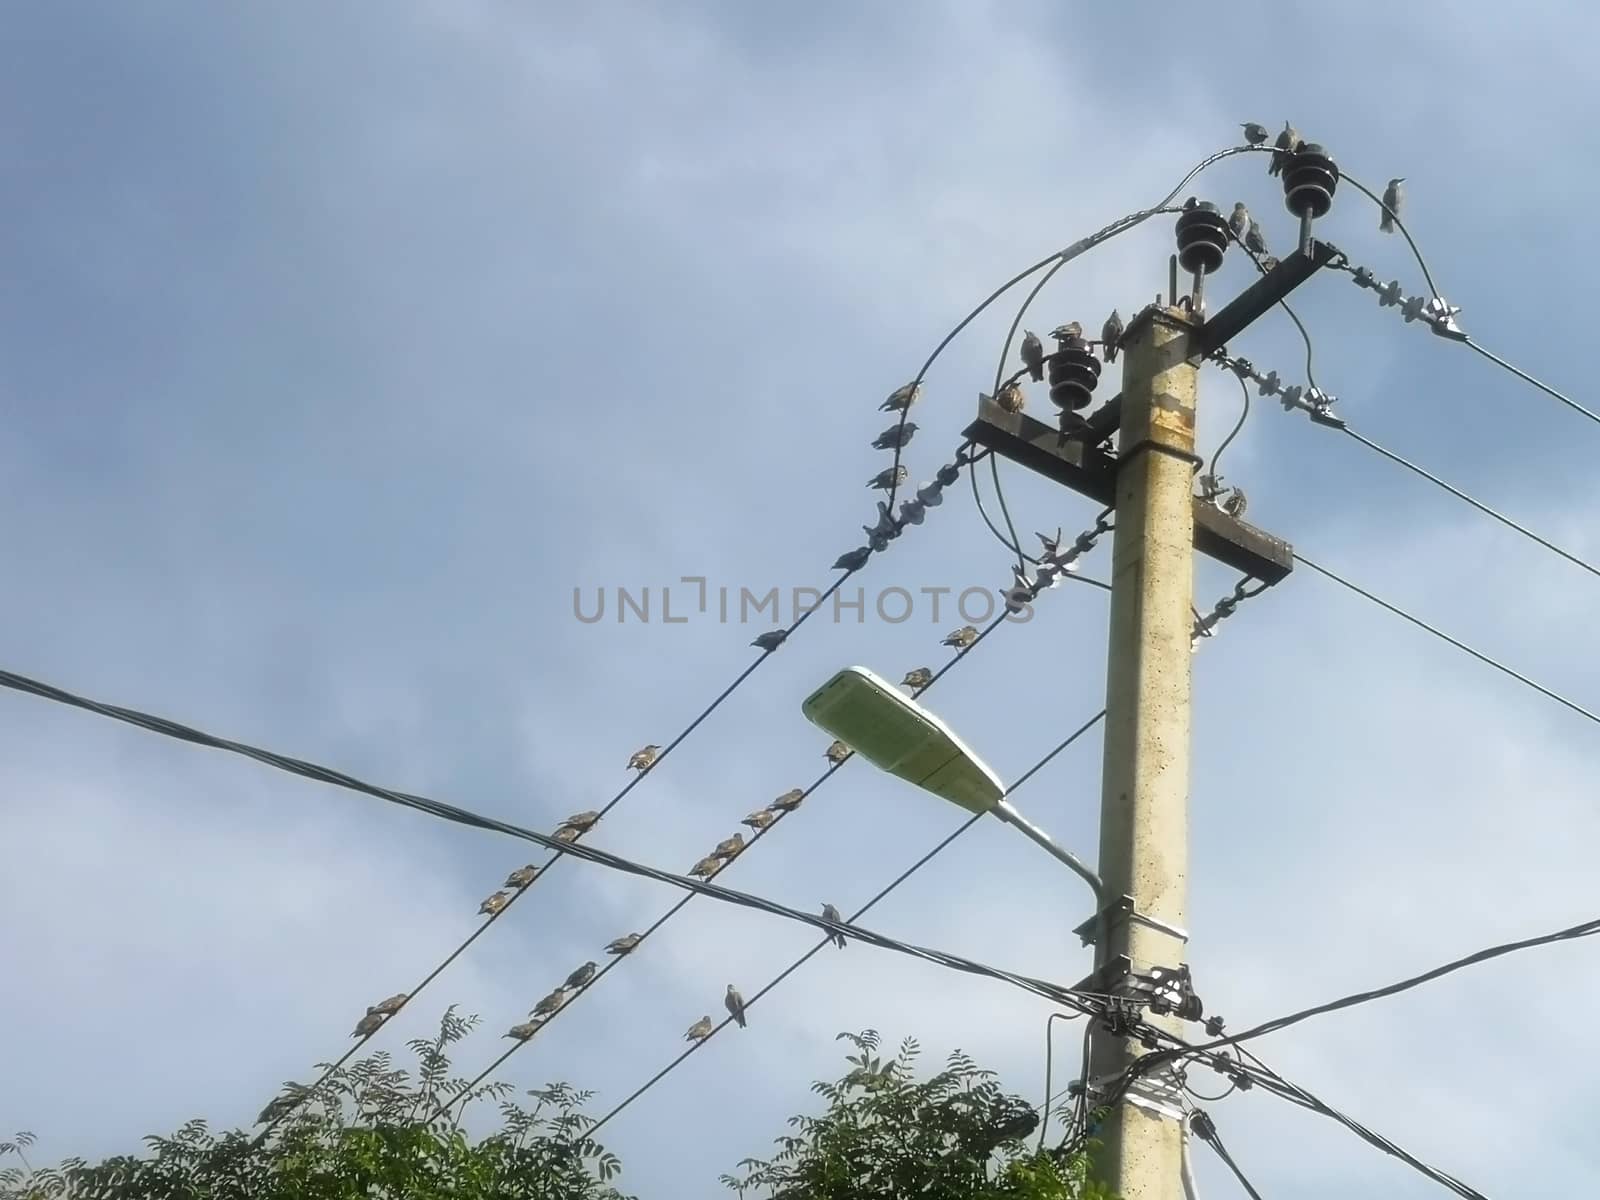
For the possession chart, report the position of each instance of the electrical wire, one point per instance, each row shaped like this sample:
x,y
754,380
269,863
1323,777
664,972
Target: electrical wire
x,y
855,916
468,1088
1049,1062
1206,1129
1395,217
1526,378
1475,503
1244,415
1445,637
1091,535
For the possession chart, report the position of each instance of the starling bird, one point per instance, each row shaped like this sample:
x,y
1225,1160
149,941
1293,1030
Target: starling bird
x,y
1234,503
581,976
1255,134
624,945
643,760
493,904
836,753
759,819
889,477
1282,148
1111,336
568,834
284,1104
1253,240
919,677
1052,545
1068,333
1392,198
523,1031
706,867
771,639
901,398
730,848
735,1003
1011,398
854,560
895,437
582,822
885,527
830,913
1269,262
390,1006
522,876
369,1024
960,638
1033,355
550,1003
1239,222
790,800
699,1031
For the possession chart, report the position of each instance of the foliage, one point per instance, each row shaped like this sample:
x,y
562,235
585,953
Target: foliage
x,y
366,1132
884,1135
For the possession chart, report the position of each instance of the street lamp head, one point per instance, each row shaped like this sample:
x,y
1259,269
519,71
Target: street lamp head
x,y
899,736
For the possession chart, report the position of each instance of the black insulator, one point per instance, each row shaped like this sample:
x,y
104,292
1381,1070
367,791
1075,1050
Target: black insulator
x,y
1309,180
1073,371
1202,238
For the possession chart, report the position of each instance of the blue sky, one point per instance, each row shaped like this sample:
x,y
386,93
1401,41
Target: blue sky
x,y
340,342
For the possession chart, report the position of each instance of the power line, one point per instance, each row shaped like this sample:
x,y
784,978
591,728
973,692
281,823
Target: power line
x,y
1445,637
1205,1128
1067,556
849,923
588,853
1526,378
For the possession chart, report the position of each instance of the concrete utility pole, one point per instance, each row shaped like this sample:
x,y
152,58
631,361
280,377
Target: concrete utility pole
x,y
1144,804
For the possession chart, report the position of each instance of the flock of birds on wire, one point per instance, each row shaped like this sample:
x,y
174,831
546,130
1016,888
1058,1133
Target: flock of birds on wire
x,y
1010,398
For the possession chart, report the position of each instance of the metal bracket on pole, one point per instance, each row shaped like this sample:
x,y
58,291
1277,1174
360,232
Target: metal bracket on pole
x,y
1122,908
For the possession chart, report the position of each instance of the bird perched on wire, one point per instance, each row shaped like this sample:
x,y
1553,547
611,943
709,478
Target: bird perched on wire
x,y
523,1031
960,638
1255,134
884,529
699,1031
390,1006
895,437
567,834
369,1024
1111,336
493,904
888,478
1033,355
735,1005
759,819
581,976
643,760
770,640
1282,148
830,913
790,800
550,1003
853,560
707,867
1239,221
624,945
729,848
917,677
1052,545
1254,241
522,877
902,398
583,821
284,1104
836,753
1392,199
1010,397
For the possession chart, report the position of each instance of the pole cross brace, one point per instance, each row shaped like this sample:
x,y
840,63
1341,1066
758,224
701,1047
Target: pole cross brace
x,y
1122,909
